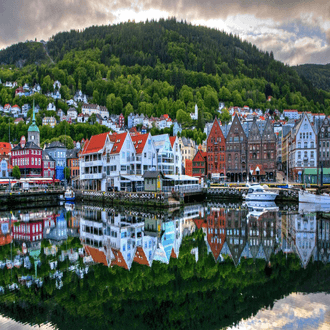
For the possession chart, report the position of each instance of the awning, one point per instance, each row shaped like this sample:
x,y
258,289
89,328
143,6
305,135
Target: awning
x,y
132,178
312,171
180,177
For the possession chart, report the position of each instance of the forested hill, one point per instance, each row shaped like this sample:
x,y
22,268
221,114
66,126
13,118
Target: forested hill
x,y
23,54
318,74
189,47
167,67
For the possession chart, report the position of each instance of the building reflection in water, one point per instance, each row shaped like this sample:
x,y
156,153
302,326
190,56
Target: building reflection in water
x,y
123,236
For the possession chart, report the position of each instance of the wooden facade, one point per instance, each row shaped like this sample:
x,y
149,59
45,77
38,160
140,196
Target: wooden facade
x,y
199,168
216,152
236,152
323,144
261,151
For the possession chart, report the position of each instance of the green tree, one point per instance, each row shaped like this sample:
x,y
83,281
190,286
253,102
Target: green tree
x,y
67,173
16,172
225,116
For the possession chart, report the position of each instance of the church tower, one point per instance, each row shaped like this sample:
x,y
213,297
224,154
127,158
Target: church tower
x,y
33,131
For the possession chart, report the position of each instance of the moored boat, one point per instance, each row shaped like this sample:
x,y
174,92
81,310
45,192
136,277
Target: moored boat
x,y
257,192
308,197
69,195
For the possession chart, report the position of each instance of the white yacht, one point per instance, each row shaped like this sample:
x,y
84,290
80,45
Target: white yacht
x,y
69,194
257,192
308,197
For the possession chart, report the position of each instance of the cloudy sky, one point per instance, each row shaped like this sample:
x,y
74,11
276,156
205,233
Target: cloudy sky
x,y
297,311
297,31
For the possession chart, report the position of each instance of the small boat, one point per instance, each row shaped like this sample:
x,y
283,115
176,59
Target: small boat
x,y
69,195
257,192
308,197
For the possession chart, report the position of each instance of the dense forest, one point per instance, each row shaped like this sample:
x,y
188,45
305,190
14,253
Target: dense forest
x,y
318,74
23,54
163,67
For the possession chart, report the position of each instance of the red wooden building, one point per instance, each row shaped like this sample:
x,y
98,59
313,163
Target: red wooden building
x,y
199,164
216,152
28,157
188,167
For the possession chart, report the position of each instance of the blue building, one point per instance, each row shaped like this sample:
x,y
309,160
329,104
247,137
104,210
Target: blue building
x,y
57,151
130,120
58,232
176,128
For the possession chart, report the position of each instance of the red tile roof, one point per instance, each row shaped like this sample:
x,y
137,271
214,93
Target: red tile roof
x,y
199,223
5,148
97,255
119,259
173,255
118,140
199,157
95,144
254,169
140,257
172,140
139,142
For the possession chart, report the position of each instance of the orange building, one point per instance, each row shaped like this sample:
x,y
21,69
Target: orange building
x,y
188,167
72,160
216,230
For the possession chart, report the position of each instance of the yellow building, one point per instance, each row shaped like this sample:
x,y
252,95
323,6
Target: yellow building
x,y
188,148
50,121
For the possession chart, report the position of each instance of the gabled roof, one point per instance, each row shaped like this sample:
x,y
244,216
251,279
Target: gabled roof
x,y
140,257
152,174
55,144
118,259
72,153
172,140
256,168
118,140
139,142
200,223
95,144
199,157
28,145
173,254
5,147
97,255
46,156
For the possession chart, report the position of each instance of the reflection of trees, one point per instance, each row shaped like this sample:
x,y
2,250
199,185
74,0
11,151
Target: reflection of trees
x,y
182,294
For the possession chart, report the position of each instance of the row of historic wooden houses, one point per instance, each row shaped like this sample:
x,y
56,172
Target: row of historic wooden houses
x,y
238,152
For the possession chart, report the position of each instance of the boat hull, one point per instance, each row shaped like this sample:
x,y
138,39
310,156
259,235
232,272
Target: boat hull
x,y
70,199
307,197
260,197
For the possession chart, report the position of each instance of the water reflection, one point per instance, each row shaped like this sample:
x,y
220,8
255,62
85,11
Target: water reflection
x,y
120,251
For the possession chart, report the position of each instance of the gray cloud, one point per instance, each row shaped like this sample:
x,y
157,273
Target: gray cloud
x,y
38,18
297,31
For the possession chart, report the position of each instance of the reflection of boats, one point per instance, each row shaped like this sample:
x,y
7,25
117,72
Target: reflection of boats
x,y
69,206
69,194
313,207
256,208
257,192
308,197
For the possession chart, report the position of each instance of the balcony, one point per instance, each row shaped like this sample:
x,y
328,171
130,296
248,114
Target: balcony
x,y
92,163
91,176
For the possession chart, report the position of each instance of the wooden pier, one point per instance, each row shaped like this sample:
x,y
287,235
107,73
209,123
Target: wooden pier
x,y
236,193
17,199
